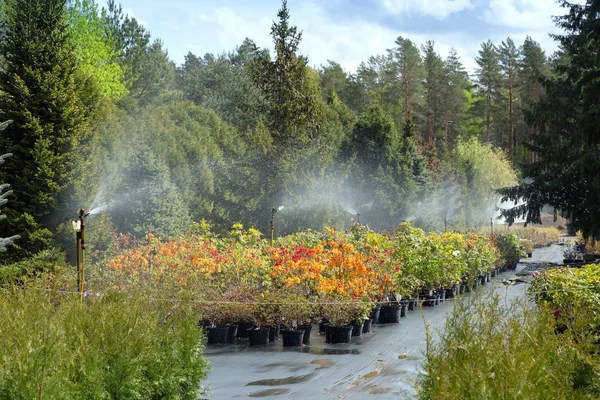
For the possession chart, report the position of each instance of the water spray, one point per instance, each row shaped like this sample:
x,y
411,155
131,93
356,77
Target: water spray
x,y
79,228
273,212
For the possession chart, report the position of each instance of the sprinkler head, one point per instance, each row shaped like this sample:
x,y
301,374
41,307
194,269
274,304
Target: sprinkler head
x,y
83,213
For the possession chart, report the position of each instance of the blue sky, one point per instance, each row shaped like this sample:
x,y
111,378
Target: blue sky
x,y
346,31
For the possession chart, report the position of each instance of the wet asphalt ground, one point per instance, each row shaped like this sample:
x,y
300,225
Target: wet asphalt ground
x,y
383,364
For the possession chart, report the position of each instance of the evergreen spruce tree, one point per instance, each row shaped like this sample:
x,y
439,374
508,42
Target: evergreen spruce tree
x,y
39,92
567,174
7,241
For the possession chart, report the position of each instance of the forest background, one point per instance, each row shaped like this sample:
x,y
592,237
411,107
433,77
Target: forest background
x,y
101,118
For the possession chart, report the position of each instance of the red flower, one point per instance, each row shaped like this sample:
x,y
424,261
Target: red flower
x,y
469,245
397,268
480,249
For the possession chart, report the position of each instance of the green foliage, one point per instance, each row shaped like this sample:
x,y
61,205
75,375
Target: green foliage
x,y
41,92
96,54
493,350
565,175
481,169
47,261
7,241
570,291
115,345
149,200
509,248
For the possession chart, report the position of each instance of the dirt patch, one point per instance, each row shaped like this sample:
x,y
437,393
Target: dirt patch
x,y
323,363
375,389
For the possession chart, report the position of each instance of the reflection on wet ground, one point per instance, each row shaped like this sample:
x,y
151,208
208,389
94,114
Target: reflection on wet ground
x,y
269,392
283,381
384,363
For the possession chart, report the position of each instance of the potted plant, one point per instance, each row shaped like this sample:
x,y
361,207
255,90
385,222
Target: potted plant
x,y
342,312
296,310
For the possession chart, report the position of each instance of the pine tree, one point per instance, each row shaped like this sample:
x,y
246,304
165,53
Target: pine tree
x,y
435,82
409,69
454,99
567,174
509,64
532,70
488,78
40,92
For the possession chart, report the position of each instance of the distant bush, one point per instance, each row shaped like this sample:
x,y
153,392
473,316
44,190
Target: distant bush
x,y
46,261
539,236
114,346
489,350
509,249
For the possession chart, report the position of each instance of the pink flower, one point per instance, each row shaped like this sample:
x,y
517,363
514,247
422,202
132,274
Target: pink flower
x,y
469,245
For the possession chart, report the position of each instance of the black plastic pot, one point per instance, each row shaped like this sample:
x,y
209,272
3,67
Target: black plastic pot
x,y
403,309
258,336
328,332
243,327
232,333
357,328
217,335
307,328
390,314
292,338
341,334
411,305
368,325
375,313
273,332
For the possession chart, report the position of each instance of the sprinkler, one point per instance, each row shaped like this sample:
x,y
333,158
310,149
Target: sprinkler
x,y
273,212
445,225
358,218
492,225
79,228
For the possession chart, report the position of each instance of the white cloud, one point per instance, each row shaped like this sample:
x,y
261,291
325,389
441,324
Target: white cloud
x,y
128,11
234,28
439,9
325,38
523,14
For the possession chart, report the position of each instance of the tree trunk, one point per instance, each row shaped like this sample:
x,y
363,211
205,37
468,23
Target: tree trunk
x,y
511,132
489,116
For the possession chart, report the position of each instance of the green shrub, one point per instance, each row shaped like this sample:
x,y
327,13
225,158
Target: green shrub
x,y
114,346
46,261
509,248
539,236
489,350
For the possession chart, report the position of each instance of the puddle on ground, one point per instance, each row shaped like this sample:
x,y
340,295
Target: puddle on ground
x,y
292,367
283,381
323,363
269,392
375,389
324,351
